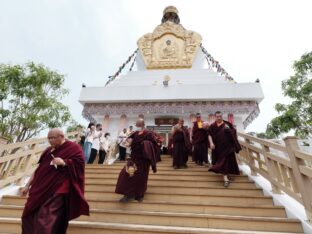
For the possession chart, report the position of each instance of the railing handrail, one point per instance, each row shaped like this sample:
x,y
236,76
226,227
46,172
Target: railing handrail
x,y
290,172
273,145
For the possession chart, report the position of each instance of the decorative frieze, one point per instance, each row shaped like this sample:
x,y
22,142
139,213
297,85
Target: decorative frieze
x,y
172,108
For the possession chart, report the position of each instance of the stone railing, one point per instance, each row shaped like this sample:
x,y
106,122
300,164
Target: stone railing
x,y
19,160
286,167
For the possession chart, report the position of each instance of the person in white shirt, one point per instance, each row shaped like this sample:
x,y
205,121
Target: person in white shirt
x,y
122,145
104,147
88,141
96,143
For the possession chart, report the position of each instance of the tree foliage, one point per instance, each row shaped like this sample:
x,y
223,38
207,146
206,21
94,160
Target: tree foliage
x,y
30,100
297,115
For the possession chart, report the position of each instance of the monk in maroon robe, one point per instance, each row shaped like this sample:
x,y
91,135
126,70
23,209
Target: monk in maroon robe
x,y
56,189
224,145
200,142
181,145
159,140
132,181
170,146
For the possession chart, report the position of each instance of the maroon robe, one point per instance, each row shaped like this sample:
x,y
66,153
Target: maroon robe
x,y
143,155
200,142
159,140
226,144
48,183
170,146
181,147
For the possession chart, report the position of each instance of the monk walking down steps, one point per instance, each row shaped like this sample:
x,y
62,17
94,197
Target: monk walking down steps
x,y
181,145
56,189
132,181
224,145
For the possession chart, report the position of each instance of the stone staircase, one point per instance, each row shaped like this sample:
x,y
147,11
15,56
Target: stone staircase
x,y
190,200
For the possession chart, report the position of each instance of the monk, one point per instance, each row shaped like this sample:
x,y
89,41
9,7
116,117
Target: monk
x,y
224,145
132,181
170,146
181,145
159,140
56,189
200,141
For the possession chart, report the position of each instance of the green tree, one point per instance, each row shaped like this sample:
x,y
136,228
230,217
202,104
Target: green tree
x,y
297,115
74,126
31,100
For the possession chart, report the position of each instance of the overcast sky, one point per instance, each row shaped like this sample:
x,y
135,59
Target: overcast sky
x,y
88,40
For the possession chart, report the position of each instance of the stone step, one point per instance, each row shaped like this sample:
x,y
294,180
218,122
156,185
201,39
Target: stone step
x,y
218,201
196,220
171,177
13,226
162,163
161,206
159,167
180,190
245,201
182,219
181,172
180,183
204,199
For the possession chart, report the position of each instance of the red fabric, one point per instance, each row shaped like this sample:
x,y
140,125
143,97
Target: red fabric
x,y
199,135
200,142
64,188
159,140
231,118
170,146
143,148
226,144
51,217
181,147
47,180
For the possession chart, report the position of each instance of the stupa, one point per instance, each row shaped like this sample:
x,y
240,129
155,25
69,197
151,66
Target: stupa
x,y
175,77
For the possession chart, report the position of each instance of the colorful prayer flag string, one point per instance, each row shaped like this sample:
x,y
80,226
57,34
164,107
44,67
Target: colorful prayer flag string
x,y
113,77
212,63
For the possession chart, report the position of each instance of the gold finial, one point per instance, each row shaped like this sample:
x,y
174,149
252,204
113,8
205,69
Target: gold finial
x,y
171,9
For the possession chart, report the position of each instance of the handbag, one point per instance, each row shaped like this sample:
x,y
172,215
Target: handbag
x,y
131,168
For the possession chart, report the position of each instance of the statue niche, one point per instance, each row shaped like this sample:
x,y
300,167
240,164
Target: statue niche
x,y
170,46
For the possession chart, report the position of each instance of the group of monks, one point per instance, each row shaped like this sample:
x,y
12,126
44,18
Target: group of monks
x,y
56,189
220,137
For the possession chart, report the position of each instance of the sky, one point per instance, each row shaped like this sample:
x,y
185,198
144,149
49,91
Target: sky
x,y
88,40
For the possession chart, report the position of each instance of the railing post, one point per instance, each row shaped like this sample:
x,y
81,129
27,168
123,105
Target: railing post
x,y
272,170
27,167
303,182
251,161
3,141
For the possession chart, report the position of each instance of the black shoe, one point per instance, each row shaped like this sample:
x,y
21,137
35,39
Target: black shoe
x,y
185,166
175,167
139,199
125,199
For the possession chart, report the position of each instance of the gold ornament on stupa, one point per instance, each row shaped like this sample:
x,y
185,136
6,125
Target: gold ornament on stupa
x,y
170,46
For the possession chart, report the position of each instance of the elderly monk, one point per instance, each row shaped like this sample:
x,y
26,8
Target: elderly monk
x,y
56,189
132,181
224,145
200,141
181,145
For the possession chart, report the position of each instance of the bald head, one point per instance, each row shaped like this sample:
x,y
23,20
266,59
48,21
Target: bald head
x,y
181,121
56,137
140,123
